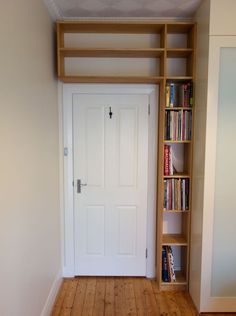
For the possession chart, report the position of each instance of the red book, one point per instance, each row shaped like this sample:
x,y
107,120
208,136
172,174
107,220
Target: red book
x,y
166,160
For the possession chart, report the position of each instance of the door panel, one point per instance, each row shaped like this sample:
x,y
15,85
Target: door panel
x,y
128,147
127,233
110,157
95,230
94,146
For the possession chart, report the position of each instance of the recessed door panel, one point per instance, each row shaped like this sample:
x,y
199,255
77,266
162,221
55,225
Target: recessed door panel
x,y
94,146
128,146
127,230
95,230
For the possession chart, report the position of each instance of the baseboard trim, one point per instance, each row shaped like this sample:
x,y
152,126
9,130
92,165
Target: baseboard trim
x,y
52,295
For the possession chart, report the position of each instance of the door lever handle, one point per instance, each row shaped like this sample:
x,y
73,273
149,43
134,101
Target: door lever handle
x,y
79,185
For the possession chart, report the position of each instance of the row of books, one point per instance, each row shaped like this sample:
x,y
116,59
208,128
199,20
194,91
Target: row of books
x,y
168,270
176,194
178,125
179,94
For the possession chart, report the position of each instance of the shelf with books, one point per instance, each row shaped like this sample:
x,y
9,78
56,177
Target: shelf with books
x,y
174,269
176,194
180,279
178,125
179,95
176,160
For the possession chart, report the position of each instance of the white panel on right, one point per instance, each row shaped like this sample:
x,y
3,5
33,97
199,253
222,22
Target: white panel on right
x,y
224,235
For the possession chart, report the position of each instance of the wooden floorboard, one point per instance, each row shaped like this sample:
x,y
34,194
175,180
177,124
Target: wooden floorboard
x,y
120,296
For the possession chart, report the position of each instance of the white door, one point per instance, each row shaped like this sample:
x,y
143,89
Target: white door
x,y
111,157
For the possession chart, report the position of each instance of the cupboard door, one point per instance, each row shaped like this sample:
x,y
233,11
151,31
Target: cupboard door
x,y
219,233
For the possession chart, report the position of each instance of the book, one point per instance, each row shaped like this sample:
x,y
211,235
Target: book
x,y
166,160
167,95
174,94
171,268
165,274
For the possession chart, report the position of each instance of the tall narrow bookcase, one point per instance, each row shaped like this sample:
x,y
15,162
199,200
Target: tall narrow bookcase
x,y
175,156
154,52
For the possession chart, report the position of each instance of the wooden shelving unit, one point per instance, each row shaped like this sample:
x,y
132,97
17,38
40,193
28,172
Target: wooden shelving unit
x,y
183,50
171,45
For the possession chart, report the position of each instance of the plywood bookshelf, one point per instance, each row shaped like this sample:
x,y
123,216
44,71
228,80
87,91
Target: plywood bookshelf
x,y
168,49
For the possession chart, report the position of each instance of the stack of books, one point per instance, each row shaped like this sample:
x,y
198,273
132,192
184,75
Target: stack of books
x,y
179,94
168,270
176,194
178,125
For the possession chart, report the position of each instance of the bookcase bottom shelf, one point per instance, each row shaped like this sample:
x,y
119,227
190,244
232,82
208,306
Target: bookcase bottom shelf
x,y
179,285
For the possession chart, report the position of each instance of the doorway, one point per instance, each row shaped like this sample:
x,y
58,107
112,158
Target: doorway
x,y
109,142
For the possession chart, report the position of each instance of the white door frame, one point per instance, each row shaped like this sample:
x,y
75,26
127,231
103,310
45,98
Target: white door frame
x,y
67,212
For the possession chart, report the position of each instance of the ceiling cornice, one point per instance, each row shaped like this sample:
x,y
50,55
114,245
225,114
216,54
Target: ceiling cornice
x,y
53,10
60,13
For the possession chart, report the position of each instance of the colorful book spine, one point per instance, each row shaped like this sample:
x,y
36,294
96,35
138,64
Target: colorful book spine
x,y
171,267
172,93
190,85
168,96
165,275
166,160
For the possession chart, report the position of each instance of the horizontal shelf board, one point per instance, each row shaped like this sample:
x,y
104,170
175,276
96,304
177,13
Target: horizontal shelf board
x,y
125,27
178,175
179,28
110,79
179,52
178,108
179,78
180,279
174,239
177,141
175,211
108,52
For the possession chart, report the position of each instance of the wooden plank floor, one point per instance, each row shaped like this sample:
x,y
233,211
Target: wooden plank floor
x,y
108,296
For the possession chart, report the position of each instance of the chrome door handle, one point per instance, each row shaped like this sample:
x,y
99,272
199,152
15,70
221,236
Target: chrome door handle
x,y
79,185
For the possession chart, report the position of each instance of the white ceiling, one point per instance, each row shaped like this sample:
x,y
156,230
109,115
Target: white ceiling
x,y
73,9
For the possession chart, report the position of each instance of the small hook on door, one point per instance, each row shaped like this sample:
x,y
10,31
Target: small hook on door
x,y
110,112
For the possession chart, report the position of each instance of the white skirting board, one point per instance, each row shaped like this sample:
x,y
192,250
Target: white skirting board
x,y
52,295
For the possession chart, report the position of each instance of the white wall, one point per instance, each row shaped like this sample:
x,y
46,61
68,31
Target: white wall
x,y
222,21
29,198
202,18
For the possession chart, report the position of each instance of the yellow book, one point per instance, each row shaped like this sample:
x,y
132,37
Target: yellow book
x,y
167,96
